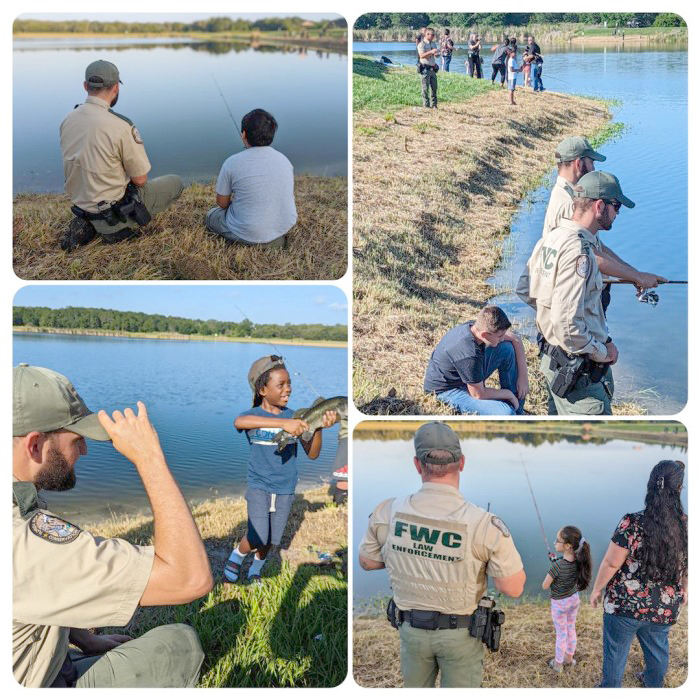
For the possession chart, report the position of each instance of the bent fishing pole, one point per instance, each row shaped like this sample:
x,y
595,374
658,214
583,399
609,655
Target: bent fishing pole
x,y
537,510
296,373
228,109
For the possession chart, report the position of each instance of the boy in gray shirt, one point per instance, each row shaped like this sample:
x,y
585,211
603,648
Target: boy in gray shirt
x,y
255,188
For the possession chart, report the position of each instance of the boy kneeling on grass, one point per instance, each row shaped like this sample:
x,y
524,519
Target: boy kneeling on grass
x,y
468,355
255,189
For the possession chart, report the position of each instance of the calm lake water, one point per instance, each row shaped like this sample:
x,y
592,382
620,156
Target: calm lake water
x,y
193,391
171,96
650,159
575,483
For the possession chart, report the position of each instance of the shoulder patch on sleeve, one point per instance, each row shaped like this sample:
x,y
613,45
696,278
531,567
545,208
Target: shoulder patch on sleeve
x,y
136,135
498,523
583,265
53,529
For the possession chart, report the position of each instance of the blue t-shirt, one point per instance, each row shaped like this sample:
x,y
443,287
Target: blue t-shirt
x,y
457,360
269,469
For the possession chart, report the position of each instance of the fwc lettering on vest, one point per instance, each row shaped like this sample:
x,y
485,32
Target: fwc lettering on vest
x,y
430,536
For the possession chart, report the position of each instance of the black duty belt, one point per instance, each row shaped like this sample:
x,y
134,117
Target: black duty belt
x,y
433,620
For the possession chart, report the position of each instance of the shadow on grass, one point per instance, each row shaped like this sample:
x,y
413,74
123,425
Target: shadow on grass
x,y
369,69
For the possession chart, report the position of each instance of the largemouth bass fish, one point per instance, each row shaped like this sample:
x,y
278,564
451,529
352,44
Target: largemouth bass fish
x,y
314,417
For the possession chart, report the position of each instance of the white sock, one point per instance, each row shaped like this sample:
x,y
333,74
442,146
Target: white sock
x,y
256,566
237,558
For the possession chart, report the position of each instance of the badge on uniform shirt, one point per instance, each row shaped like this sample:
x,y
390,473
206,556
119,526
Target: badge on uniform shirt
x,y
53,529
497,522
136,135
583,265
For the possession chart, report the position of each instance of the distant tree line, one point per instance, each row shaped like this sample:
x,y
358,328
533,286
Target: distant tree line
x,y
213,24
135,322
389,20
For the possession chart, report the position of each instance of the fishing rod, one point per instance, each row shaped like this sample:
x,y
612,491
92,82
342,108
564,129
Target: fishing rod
x,y
537,510
648,296
277,350
228,109
630,282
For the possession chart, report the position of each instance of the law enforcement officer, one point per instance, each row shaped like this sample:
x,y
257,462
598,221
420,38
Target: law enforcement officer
x,y
65,581
438,550
576,157
563,283
106,168
427,51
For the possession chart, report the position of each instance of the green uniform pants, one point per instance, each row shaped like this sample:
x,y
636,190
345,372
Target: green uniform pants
x,y
165,657
585,399
455,653
428,81
156,195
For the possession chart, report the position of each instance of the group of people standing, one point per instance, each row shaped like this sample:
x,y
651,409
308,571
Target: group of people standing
x,y
439,550
505,62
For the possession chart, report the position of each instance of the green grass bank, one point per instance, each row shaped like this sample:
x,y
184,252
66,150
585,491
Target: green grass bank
x,y
175,246
290,631
434,194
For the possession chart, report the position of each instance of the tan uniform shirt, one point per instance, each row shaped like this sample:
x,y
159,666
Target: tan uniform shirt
x,y
424,46
561,205
562,282
101,152
64,577
447,545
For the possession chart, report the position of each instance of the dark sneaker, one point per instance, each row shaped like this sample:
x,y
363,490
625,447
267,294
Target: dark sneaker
x,y
80,232
118,236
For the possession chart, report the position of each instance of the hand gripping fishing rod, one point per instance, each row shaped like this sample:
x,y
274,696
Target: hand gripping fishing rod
x,y
537,510
228,109
647,296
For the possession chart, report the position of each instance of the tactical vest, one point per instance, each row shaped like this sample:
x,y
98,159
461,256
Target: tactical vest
x,y
430,561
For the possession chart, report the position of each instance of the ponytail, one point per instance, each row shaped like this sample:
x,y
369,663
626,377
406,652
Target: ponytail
x,y
584,571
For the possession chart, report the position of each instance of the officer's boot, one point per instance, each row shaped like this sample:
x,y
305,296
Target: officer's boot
x,y
80,232
119,235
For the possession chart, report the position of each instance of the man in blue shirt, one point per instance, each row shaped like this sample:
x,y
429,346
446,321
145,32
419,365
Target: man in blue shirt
x,y
468,355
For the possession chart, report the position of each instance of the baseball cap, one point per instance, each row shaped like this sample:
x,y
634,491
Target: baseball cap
x,y
45,400
437,436
261,366
600,185
101,74
575,147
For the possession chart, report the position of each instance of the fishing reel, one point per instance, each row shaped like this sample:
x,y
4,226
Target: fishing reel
x,y
648,296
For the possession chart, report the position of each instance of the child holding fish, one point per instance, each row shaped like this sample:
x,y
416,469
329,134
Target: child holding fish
x,y
272,472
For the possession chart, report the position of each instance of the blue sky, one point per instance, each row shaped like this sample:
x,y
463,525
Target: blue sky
x,y
260,303
170,16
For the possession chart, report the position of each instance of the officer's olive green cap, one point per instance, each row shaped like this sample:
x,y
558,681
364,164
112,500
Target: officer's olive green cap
x,y
45,401
101,74
575,147
261,366
437,436
600,185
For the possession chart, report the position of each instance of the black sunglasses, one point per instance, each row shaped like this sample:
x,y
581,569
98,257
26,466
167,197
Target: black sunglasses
x,y
614,203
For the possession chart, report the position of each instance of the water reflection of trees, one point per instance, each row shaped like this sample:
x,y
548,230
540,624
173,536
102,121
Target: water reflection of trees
x,y
532,438
212,47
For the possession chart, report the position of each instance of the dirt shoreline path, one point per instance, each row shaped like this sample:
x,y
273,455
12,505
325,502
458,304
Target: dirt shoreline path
x,y
527,642
434,194
175,246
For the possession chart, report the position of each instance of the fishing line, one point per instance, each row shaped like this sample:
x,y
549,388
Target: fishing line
x,y
277,350
537,510
228,109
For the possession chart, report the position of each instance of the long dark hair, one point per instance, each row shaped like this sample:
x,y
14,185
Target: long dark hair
x,y
663,553
572,535
263,379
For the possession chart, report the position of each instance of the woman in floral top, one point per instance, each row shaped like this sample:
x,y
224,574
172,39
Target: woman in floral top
x,y
645,577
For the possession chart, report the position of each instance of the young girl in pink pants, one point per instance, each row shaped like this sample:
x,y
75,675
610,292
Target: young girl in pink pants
x,y
567,575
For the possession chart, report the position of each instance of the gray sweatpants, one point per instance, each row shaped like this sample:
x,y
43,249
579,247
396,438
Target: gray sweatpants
x,y
169,656
216,223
